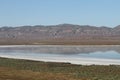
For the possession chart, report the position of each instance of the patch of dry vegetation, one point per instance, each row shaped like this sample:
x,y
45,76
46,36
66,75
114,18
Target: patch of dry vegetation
x,y
59,42
14,69
13,74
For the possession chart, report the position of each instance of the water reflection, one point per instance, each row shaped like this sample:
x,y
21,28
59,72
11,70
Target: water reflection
x,y
103,55
59,49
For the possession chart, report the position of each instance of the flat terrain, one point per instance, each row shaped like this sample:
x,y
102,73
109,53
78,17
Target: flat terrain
x,y
14,69
60,42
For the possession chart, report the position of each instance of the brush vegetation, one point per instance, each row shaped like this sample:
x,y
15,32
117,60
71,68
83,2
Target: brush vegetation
x,y
15,69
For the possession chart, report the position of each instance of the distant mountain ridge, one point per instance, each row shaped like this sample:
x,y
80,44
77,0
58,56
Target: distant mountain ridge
x,y
58,33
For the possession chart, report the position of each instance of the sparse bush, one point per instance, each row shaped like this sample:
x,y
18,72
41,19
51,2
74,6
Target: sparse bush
x,y
56,71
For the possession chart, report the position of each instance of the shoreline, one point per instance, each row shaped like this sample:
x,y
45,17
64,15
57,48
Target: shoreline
x,y
61,44
22,45
16,69
80,61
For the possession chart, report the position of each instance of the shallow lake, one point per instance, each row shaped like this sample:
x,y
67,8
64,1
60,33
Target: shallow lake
x,y
86,55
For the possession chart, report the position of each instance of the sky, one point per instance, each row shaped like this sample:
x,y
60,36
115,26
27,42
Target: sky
x,y
53,12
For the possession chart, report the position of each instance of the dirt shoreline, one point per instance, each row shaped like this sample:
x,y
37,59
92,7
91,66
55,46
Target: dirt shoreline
x,y
62,43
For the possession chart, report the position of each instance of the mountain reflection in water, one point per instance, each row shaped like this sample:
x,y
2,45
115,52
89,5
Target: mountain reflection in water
x,y
59,49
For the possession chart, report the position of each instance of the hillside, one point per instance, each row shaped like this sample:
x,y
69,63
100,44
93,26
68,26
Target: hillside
x,y
60,34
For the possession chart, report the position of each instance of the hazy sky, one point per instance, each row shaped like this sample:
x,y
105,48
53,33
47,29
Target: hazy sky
x,y
49,12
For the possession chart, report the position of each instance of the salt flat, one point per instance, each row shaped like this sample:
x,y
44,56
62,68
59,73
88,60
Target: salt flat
x,y
84,55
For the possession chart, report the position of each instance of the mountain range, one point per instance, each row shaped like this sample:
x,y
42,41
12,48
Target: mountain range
x,y
60,34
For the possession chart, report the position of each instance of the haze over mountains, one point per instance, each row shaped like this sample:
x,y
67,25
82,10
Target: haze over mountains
x,y
60,34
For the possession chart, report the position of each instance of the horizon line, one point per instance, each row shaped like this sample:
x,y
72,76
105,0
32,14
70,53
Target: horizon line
x,y
47,25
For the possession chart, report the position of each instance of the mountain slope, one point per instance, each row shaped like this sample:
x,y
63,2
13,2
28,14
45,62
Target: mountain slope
x,y
60,34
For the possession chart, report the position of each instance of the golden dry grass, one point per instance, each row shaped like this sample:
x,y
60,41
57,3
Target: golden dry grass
x,y
13,74
14,69
61,42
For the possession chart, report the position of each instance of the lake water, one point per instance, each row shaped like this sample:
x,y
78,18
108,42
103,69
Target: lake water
x,y
86,55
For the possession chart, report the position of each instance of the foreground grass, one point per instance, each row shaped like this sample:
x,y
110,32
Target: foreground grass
x,y
14,69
